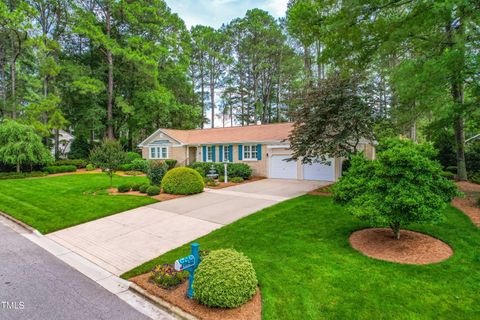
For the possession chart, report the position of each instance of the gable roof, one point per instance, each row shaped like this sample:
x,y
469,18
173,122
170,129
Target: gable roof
x,y
277,132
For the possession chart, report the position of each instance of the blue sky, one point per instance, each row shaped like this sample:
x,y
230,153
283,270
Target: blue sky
x,y
216,12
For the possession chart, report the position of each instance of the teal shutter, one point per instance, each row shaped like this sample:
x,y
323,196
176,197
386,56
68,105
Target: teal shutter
x,y
230,153
220,153
204,153
259,152
213,154
240,152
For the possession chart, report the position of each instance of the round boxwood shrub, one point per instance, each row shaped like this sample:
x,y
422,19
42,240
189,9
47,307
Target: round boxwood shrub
x,y
153,191
136,186
143,188
225,279
182,181
124,187
90,167
236,180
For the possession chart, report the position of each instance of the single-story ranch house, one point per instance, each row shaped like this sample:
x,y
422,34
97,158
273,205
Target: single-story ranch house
x,y
263,147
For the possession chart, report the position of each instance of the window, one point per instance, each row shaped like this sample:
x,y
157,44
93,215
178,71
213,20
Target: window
x,y
250,152
209,154
158,152
226,153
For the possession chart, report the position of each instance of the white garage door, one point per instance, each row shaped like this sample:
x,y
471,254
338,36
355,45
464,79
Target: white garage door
x,y
319,171
281,169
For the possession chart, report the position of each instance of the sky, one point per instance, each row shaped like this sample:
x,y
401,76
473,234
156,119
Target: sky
x,y
216,12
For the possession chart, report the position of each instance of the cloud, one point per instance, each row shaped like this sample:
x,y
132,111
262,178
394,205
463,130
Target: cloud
x,y
217,12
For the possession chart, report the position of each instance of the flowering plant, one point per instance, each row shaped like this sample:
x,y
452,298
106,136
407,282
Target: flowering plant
x,y
165,276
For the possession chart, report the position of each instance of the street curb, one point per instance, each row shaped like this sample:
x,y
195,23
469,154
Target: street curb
x,y
20,223
167,306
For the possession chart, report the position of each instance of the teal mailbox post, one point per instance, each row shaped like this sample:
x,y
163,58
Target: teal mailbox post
x,y
189,263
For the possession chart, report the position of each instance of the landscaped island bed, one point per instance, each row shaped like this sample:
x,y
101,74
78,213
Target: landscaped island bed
x,y
307,269
53,203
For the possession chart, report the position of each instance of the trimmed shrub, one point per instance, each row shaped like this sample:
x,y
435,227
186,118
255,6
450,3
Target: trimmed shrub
x,y
447,174
21,175
156,172
182,181
125,167
90,167
165,276
136,186
225,279
126,187
153,190
241,170
237,180
132,156
79,163
200,171
171,163
233,169
221,178
59,169
143,188
210,182
140,165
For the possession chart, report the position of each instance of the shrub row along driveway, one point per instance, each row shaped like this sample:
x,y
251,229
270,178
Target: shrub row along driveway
x,y
121,242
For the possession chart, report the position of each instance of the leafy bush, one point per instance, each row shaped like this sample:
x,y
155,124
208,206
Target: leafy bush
x,y
21,175
171,163
59,169
182,181
221,178
475,178
136,186
132,156
90,167
143,188
233,169
126,187
79,163
165,276
225,279
80,148
140,165
402,186
210,182
200,171
125,167
236,180
448,175
153,190
156,172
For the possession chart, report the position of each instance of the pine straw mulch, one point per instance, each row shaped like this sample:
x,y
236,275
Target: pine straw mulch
x,y
412,248
252,310
468,204
161,197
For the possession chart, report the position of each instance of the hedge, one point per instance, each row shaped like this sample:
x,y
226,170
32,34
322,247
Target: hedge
x,y
242,170
79,163
21,175
60,169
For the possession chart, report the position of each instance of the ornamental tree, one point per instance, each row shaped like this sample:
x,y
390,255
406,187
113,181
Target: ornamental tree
x,y
402,186
20,145
108,156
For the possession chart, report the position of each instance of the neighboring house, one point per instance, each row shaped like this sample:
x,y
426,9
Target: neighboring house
x,y
64,143
263,147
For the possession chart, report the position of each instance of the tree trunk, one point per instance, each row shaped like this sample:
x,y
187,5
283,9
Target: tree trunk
x,y
395,226
212,97
57,144
202,85
13,71
18,167
110,134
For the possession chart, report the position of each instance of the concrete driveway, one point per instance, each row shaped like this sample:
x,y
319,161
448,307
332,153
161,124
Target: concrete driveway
x,y
123,241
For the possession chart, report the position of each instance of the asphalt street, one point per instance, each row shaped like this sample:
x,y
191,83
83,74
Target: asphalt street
x,y
36,285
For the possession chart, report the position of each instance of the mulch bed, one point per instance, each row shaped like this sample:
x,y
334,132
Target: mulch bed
x,y
322,191
252,310
160,197
412,248
222,185
468,204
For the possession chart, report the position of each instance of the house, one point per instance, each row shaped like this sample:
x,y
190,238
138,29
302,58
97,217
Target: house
x,y
264,148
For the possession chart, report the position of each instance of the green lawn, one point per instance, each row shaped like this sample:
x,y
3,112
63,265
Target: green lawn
x,y
52,203
307,269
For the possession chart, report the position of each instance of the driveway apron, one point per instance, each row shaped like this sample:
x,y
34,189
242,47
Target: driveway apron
x,y
123,241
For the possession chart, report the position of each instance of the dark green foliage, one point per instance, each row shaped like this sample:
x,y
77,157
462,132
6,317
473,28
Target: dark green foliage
x,y
236,180
233,169
143,188
60,169
221,178
225,279
125,167
136,186
108,156
448,175
79,163
153,190
131,156
156,172
171,163
140,165
200,171
126,187
165,276
475,178
182,181
80,148
210,182
21,175
401,187
90,167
